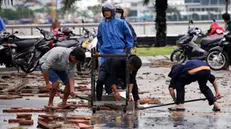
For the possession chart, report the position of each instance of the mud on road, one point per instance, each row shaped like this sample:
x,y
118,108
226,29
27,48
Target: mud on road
x,y
27,92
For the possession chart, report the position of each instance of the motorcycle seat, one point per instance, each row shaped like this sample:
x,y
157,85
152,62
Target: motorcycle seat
x,y
210,39
26,43
66,43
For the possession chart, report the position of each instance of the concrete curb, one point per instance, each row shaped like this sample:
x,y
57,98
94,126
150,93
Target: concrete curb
x,y
147,60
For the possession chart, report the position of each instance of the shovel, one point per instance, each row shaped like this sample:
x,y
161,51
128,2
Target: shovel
x,y
161,105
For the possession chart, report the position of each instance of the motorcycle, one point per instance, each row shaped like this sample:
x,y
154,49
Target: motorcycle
x,y
219,57
64,38
187,48
89,44
23,53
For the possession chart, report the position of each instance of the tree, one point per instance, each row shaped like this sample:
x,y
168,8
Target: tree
x,y
68,4
96,9
161,8
226,5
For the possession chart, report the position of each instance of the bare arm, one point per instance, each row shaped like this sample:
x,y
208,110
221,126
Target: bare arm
x,y
212,80
71,84
130,88
116,93
46,77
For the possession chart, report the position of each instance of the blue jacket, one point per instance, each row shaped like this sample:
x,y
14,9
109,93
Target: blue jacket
x,y
180,69
114,34
2,25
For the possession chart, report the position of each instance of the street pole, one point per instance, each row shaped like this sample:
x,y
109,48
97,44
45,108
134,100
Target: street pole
x,y
56,9
226,5
53,11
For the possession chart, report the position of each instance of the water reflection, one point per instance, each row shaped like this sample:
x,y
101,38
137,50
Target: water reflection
x,y
116,120
178,118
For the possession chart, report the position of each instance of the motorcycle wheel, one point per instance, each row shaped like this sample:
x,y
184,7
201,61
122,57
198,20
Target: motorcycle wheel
x,y
178,56
86,66
217,60
33,64
29,69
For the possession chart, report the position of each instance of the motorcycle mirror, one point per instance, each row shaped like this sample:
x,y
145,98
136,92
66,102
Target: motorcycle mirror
x,y
16,32
82,21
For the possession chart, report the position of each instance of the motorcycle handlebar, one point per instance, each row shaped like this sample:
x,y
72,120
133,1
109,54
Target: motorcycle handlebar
x,y
38,28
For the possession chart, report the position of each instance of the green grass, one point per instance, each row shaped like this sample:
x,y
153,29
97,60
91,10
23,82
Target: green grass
x,y
154,51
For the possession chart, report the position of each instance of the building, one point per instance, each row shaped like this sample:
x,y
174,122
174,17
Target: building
x,y
137,11
205,9
198,9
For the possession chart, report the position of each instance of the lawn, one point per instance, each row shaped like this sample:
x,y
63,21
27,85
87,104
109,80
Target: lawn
x,y
154,51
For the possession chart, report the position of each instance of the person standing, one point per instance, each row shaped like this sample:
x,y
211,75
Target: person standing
x,y
114,35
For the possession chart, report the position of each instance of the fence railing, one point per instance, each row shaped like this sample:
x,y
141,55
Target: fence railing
x,y
141,28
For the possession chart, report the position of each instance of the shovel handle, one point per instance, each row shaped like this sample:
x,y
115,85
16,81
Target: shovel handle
x,y
161,105
82,98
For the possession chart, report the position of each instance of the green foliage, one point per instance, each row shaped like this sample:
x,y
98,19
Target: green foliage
x,y
154,51
67,4
20,12
96,9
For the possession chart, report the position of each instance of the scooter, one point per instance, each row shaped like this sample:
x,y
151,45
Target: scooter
x,y
188,49
21,53
88,45
219,57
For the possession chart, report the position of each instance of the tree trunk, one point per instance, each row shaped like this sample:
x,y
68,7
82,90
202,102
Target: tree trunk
x,y
161,7
226,5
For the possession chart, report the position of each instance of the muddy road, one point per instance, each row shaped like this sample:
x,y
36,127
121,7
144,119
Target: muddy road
x,y
152,82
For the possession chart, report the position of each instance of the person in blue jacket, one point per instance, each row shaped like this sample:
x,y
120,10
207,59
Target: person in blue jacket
x,y
2,25
114,35
191,71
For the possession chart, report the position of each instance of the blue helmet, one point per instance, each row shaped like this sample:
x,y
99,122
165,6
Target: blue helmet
x,y
109,7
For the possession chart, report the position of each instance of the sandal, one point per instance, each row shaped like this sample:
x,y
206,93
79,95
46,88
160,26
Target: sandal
x,y
216,109
51,107
63,106
176,109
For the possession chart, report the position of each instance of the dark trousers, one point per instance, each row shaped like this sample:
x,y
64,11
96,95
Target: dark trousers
x,y
102,80
201,77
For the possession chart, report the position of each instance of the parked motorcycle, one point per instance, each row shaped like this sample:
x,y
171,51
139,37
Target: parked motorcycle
x,y
65,38
188,49
89,44
23,53
219,57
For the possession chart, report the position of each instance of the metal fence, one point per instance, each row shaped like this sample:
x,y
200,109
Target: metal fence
x,y
141,28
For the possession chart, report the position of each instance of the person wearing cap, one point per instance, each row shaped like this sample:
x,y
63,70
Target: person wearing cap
x,y
191,71
226,18
114,35
114,69
120,14
57,64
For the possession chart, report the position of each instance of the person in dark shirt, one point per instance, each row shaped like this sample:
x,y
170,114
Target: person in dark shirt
x,y
184,74
120,12
226,18
114,69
